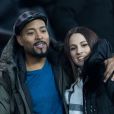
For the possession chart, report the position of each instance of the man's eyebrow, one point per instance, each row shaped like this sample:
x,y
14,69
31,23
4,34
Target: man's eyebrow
x,y
42,27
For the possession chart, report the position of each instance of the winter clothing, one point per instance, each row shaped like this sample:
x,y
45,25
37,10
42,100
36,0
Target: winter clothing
x,y
14,96
98,97
74,98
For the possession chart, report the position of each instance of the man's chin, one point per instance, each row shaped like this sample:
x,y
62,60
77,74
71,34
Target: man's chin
x,y
40,55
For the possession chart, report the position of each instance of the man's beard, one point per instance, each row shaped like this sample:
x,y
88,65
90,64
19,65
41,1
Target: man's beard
x,y
40,55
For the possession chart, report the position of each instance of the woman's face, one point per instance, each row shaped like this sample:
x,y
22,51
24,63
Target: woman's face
x,y
79,48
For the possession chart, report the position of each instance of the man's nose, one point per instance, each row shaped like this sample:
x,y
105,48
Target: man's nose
x,y
38,35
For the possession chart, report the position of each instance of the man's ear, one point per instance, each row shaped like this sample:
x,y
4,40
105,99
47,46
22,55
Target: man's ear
x,y
19,40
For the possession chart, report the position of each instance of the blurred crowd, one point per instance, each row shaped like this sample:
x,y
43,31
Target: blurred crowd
x,y
97,15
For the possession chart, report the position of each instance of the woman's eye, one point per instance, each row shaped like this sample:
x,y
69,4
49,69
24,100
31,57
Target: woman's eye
x,y
84,45
72,48
43,31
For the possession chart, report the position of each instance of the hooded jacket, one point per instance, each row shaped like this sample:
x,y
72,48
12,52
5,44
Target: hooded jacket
x,y
14,97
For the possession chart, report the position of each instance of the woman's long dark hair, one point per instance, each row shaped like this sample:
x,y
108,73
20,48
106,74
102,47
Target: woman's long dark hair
x,y
91,38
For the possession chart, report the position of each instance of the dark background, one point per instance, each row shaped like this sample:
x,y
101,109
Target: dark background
x,y
62,15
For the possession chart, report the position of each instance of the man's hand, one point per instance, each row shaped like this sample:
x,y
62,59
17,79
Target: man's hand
x,y
109,63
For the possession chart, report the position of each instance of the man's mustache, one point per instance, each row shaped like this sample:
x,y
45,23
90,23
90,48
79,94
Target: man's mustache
x,y
39,42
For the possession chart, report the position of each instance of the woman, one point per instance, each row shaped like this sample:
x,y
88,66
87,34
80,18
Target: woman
x,y
85,55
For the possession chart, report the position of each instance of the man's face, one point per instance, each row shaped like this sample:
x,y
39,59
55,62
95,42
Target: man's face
x,y
34,38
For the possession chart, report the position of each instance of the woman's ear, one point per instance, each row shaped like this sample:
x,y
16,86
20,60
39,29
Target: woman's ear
x,y
19,40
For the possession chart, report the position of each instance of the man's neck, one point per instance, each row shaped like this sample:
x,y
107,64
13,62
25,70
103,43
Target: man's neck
x,y
35,63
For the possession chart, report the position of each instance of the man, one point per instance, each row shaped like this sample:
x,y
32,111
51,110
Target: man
x,y
31,78
30,66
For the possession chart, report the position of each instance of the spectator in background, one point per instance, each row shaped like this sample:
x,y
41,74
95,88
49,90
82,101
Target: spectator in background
x,y
95,14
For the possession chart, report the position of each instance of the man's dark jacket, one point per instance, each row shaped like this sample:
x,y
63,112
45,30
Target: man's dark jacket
x,y
14,97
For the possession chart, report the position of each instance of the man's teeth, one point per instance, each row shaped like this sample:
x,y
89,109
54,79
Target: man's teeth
x,y
40,45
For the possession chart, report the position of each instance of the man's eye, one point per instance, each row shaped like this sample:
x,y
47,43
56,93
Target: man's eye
x,y
30,33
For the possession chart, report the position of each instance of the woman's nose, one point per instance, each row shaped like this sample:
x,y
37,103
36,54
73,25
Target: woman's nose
x,y
79,50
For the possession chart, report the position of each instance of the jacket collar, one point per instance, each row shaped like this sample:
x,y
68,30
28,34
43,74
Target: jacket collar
x,y
7,53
